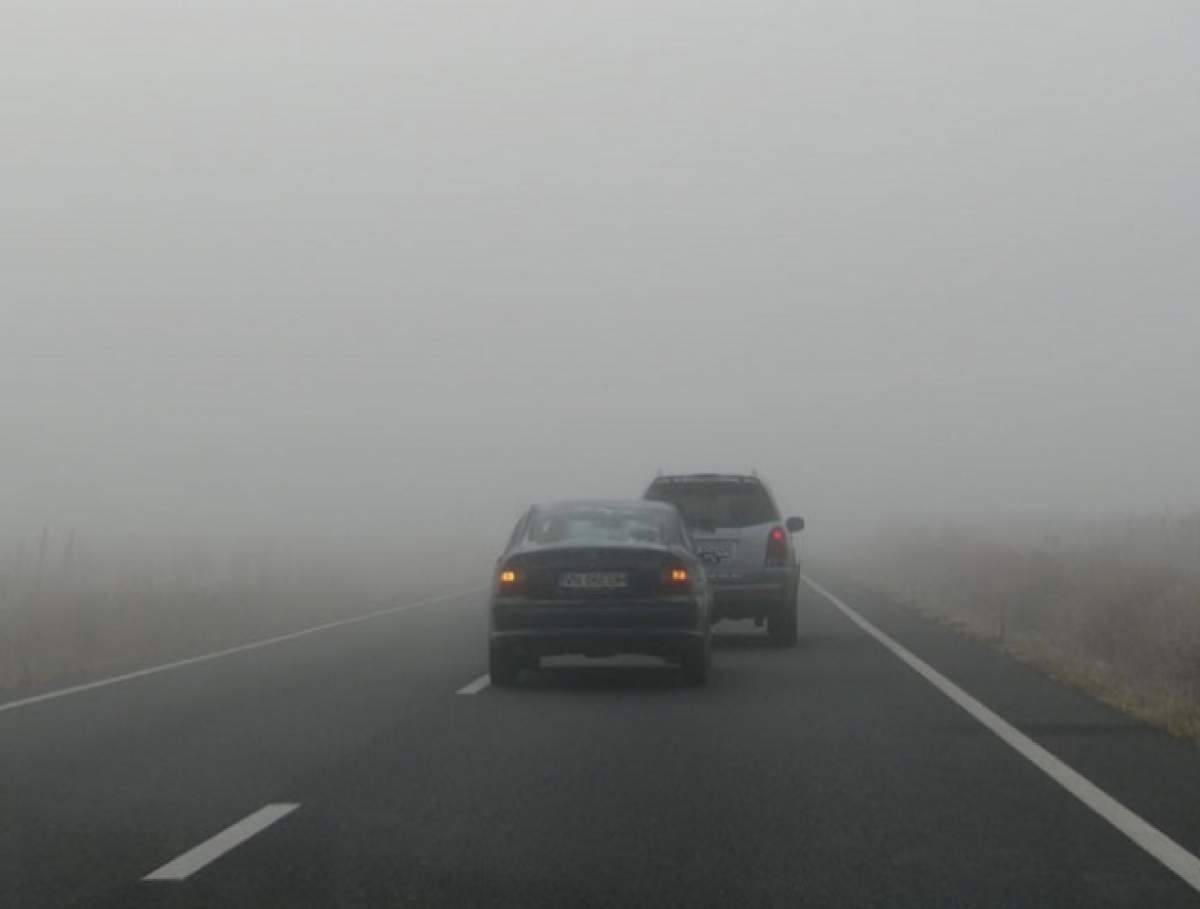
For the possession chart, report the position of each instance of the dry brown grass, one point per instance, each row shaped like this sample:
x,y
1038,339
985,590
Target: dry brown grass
x,y
1128,633
62,617
59,632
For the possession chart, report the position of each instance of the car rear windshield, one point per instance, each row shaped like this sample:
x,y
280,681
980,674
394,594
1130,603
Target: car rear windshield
x,y
601,525
717,503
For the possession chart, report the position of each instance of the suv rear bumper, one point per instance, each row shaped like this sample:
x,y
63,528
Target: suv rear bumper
x,y
751,600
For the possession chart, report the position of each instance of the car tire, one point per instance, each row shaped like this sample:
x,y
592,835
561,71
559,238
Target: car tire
x,y
502,668
697,660
783,621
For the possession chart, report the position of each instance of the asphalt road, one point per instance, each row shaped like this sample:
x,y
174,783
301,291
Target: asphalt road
x,y
831,774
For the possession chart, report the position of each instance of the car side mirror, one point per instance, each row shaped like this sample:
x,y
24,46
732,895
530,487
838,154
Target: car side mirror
x,y
795,525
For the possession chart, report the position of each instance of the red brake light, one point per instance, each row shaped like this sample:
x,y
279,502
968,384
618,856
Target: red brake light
x,y
508,577
679,575
777,549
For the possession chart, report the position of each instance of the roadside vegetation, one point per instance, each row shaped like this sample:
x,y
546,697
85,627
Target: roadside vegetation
x,y
1112,608
69,610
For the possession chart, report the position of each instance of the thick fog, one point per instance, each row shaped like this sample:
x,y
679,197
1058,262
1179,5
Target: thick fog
x,y
379,274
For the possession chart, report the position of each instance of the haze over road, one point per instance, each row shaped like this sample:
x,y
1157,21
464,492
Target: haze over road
x,y
304,304
364,765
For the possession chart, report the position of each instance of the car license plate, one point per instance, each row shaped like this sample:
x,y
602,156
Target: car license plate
x,y
715,551
593,580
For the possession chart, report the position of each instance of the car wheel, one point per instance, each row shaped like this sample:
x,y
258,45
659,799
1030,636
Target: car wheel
x,y
502,668
782,622
697,660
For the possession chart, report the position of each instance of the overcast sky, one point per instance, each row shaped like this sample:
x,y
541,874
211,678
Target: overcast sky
x,y
358,265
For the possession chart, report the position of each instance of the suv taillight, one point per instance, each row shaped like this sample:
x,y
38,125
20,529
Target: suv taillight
x,y
777,546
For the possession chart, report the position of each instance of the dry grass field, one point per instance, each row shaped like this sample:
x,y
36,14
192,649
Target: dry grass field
x,y
1080,608
67,613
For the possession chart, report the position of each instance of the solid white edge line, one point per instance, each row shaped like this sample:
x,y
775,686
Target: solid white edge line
x,y
229,651
1152,840
476,686
214,847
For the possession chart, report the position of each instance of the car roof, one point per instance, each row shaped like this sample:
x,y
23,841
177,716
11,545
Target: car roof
x,y
708,477
583,504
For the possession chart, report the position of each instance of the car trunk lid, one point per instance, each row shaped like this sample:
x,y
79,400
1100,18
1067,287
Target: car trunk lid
x,y
593,572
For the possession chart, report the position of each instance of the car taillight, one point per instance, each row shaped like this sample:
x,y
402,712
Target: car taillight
x,y
777,548
676,579
510,580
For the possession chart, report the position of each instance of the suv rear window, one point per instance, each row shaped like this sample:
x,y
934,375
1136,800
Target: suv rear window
x,y
717,503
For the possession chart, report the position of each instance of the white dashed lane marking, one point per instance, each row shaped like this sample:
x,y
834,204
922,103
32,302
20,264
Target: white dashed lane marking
x,y
476,686
213,848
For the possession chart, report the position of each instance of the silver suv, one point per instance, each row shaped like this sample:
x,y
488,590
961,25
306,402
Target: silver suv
x,y
747,549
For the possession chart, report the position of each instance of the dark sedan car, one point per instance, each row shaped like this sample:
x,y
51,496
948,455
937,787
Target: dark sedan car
x,y
599,578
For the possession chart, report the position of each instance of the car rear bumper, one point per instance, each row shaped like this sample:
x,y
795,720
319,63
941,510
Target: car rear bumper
x,y
751,599
655,627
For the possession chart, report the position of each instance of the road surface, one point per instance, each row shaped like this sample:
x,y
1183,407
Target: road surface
x,y
369,764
